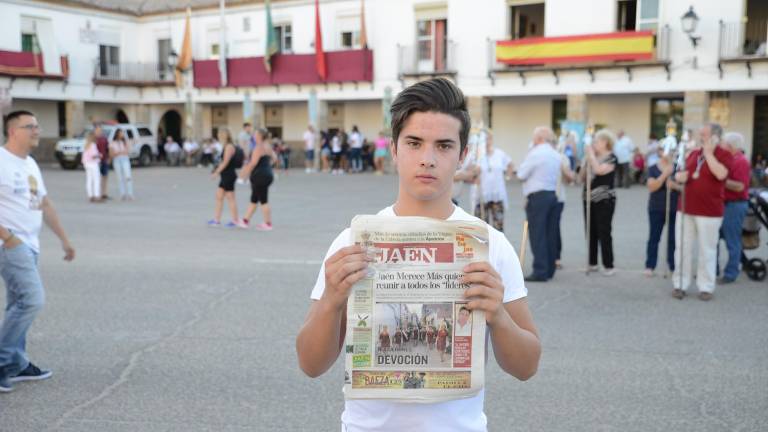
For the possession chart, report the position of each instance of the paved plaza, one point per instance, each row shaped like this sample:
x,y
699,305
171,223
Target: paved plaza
x,y
163,324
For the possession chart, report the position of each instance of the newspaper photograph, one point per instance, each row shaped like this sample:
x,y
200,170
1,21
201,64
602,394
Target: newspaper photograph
x,y
410,336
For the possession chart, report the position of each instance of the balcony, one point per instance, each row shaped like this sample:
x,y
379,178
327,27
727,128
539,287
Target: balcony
x,y
588,53
742,43
132,74
297,69
17,64
417,61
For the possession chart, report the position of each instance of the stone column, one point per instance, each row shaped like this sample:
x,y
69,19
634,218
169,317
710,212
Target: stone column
x,y
577,106
478,110
695,110
6,101
75,117
318,117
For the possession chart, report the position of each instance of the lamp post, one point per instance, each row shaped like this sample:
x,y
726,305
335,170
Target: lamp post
x,y
173,60
689,21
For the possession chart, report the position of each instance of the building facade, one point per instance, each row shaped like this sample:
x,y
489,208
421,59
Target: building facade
x,y
623,64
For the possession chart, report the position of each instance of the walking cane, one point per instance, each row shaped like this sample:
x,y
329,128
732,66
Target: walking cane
x,y
480,143
588,196
681,163
523,242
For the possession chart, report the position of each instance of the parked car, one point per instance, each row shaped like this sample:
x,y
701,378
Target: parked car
x,y
143,148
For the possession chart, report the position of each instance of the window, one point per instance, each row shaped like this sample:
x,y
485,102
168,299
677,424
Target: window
x,y
246,24
214,51
109,61
29,43
559,114
627,15
526,21
431,38
664,109
144,132
350,39
648,18
284,38
61,107
163,52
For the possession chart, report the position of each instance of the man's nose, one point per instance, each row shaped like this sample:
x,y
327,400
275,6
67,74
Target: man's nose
x,y
428,157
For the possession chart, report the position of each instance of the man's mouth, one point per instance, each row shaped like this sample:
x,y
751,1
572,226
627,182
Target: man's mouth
x,y
427,178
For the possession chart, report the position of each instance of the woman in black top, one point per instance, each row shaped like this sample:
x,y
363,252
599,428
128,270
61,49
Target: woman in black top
x,y
602,165
259,169
231,160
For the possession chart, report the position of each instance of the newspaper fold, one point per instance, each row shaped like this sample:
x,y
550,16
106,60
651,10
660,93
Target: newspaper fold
x,y
410,337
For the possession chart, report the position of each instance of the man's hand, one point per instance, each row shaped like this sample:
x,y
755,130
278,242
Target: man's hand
x,y
342,270
11,242
681,176
667,170
69,251
708,148
485,292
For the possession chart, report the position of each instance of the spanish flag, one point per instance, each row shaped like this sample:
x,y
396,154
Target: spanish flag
x,y
621,46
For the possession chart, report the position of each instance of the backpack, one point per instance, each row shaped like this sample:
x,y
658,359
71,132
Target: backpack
x,y
238,158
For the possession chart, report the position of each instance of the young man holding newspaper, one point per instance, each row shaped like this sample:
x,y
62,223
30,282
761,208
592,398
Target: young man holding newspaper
x,y
430,126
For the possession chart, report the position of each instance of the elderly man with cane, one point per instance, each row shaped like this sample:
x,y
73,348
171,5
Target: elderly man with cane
x,y
539,173
700,212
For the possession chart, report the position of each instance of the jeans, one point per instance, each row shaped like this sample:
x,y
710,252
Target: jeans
x,y
541,211
356,159
558,237
730,231
25,298
122,166
656,222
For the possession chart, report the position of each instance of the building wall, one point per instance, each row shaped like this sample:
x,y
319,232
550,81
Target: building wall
x,y
631,113
514,120
295,121
561,17
366,115
46,112
742,117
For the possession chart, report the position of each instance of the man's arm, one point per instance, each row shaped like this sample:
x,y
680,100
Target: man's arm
x,y
734,185
525,168
51,218
719,170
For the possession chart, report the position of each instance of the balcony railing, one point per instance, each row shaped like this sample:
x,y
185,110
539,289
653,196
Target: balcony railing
x,y
27,64
132,74
414,62
743,39
298,69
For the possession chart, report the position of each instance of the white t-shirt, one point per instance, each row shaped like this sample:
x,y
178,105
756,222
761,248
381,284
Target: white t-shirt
x,y
461,414
309,140
21,196
492,179
355,140
191,146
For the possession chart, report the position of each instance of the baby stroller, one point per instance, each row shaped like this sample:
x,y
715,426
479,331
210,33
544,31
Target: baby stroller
x,y
757,214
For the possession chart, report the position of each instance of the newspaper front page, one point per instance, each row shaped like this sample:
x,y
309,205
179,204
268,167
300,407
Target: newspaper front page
x,y
410,337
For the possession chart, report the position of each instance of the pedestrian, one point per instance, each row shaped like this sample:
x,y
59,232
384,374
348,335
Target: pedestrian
x,y
602,200
660,177
736,205
172,151
638,166
492,170
120,149
566,177
208,151
325,152
227,172
380,153
259,170
245,138
90,161
623,150
309,149
700,212
356,150
191,152
539,172
102,144
24,205
337,150
430,129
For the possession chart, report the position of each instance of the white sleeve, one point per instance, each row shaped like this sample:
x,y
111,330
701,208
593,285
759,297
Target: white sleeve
x,y
504,260
342,240
524,170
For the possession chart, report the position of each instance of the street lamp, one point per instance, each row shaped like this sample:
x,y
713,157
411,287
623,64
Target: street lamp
x,y
173,60
689,22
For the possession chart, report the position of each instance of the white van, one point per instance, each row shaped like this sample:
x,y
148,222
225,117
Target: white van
x,y
143,144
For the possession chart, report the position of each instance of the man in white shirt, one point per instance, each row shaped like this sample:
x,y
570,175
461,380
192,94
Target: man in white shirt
x,y
539,172
191,151
24,204
623,151
172,151
430,127
356,149
245,138
309,149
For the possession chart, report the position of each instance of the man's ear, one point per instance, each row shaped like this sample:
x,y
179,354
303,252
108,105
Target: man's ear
x,y
463,155
393,149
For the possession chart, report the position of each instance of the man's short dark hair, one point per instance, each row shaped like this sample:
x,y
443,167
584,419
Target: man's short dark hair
x,y
435,95
715,129
246,124
464,308
13,116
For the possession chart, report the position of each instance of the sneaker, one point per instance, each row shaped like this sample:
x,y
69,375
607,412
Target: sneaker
x,y
5,385
230,224
678,293
31,373
264,227
724,280
241,224
648,273
593,269
705,296
609,272
213,223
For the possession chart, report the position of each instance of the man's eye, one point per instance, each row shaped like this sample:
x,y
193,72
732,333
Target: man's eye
x,y
413,143
445,146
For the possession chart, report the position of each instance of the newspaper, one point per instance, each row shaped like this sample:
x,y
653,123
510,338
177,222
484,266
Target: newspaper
x,y
410,337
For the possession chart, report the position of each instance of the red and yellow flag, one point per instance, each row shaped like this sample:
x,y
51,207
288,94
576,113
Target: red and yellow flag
x,y
577,49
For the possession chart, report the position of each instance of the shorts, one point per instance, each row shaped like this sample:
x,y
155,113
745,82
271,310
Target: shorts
x,y
382,152
260,188
325,152
310,155
228,181
104,168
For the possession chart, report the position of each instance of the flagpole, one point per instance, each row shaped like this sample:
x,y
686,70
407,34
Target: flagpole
x,y
222,44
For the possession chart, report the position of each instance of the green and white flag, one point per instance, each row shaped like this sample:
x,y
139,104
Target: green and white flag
x,y
271,47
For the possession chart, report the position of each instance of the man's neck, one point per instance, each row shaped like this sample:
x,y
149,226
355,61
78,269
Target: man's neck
x,y
17,149
441,208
